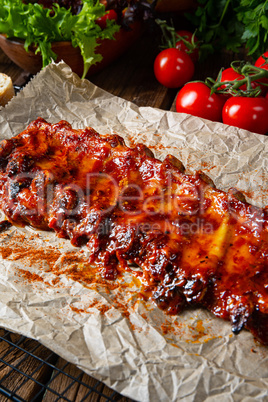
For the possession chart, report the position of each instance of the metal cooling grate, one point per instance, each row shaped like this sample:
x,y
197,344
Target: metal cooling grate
x,y
31,372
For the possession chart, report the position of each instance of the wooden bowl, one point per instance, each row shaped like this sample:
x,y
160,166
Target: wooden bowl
x,y
109,49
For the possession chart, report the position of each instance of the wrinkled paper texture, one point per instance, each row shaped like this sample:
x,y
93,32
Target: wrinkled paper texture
x,y
145,354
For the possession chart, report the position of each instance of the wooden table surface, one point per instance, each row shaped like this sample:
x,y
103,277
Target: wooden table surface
x,y
130,77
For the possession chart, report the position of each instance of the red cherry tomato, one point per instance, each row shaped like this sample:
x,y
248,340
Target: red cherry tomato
x,y
247,113
195,99
229,74
180,45
109,15
173,68
260,62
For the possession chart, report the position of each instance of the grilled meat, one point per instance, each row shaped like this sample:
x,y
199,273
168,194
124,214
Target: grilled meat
x,y
196,245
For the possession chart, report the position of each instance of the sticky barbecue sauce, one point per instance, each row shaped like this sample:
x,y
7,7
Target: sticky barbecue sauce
x,y
195,245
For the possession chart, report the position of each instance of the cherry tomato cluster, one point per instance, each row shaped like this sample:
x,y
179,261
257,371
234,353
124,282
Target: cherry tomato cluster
x,y
239,97
174,66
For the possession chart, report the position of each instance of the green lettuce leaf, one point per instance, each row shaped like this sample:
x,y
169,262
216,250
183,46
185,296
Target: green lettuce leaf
x,y
40,27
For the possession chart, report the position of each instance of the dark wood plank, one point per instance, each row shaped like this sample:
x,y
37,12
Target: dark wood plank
x,y
132,77
86,388
113,395
83,393
17,364
19,77
63,384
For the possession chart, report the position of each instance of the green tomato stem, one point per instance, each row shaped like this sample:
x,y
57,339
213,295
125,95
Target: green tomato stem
x,y
171,37
251,74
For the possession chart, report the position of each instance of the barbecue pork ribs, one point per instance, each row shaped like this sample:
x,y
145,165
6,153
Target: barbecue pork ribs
x,y
195,245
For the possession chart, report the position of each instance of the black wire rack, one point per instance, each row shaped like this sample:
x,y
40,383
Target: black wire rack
x,y
31,372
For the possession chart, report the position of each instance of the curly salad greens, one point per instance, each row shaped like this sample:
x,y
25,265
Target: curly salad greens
x,y
40,26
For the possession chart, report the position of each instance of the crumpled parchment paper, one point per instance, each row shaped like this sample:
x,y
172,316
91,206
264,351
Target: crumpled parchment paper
x,y
109,331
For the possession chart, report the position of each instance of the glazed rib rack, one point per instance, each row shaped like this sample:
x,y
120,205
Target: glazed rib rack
x,y
196,245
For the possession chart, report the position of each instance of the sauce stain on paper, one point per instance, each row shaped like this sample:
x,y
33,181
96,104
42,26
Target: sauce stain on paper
x,y
124,296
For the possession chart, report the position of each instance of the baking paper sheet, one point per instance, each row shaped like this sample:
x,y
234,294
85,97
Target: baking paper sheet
x,y
110,332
